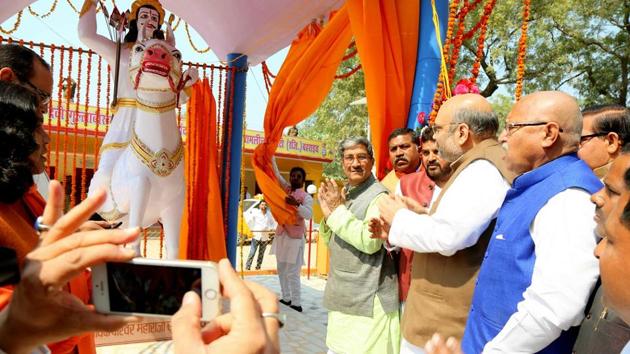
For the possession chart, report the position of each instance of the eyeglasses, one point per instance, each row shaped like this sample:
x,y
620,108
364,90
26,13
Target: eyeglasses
x,y
437,128
362,158
44,97
511,128
586,138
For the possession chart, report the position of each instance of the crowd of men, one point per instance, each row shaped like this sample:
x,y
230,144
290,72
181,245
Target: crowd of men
x,y
491,233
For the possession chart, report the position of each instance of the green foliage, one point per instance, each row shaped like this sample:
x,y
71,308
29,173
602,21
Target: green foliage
x,y
578,46
336,118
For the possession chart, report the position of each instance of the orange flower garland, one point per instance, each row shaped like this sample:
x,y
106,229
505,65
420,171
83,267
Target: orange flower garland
x,y
16,25
483,29
437,97
522,47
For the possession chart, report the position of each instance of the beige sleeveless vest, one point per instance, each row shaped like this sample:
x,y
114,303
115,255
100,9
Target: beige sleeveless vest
x,y
442,287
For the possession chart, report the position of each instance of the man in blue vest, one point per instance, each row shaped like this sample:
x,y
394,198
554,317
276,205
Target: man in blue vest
x,y
539,268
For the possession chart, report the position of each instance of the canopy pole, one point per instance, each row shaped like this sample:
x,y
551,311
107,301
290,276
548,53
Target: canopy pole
x,y
239,63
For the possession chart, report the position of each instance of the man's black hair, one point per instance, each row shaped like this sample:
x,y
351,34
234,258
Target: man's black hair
x,y
20,59
404,131
299,169
611,118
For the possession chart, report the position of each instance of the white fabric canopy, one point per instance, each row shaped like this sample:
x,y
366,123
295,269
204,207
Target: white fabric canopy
x,y
256,28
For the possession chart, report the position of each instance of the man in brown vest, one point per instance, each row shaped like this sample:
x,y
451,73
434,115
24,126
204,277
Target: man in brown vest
x,y
423,187
461,218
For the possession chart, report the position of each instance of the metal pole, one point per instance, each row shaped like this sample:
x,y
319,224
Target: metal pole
x,y
310,235
239,62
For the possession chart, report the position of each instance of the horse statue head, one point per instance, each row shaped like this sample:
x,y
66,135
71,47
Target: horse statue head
x,y
155,65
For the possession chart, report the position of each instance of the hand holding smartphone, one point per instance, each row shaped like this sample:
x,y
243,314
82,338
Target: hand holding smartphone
x,y
155,288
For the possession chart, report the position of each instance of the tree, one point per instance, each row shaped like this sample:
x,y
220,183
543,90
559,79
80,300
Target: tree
x,y
579,46
336,118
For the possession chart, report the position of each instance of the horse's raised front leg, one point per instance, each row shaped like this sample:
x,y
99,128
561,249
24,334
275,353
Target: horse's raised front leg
x,y
139,190
171,218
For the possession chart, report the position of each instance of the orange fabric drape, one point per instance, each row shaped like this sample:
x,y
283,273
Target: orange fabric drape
x,y
386,34
300,86
202,236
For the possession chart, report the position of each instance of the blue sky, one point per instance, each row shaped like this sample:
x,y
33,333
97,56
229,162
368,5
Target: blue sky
x,y
60,28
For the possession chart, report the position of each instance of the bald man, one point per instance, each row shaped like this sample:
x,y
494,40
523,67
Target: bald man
x,y
461,218
539,268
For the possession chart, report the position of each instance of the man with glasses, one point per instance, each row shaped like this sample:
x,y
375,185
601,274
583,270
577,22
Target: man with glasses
x,y
450,239
539,269
362,290
605,130
23,66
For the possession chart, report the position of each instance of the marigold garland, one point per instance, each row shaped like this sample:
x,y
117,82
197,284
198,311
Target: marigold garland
x,y
194,47
483,29
438,96
73,7
16,25
522,47
58,170
52,65
349,73
99,84
52,9
73,173
458,41
85,127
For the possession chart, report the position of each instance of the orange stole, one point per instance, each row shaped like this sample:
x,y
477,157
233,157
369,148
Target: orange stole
x,y
17,232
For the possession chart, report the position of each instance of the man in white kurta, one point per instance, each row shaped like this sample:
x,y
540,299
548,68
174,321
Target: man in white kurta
x,y
288,244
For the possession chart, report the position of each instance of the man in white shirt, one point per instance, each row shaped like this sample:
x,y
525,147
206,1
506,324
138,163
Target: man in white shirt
x,y
614,250
461,218
613,221
605,129
538,271
260,223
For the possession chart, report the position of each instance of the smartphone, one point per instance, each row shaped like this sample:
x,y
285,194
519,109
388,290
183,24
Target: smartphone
x,y
154,287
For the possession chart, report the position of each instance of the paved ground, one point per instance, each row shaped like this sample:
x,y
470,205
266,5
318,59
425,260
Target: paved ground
x,y
303,333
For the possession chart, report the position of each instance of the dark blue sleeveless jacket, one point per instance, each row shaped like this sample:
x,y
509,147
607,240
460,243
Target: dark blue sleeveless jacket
x,y
506,271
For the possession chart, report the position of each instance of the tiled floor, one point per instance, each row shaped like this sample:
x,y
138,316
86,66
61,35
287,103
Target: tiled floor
x,y
303,332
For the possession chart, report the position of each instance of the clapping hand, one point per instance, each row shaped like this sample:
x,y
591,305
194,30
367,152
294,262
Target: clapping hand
x,y
330,196
378,228
388,206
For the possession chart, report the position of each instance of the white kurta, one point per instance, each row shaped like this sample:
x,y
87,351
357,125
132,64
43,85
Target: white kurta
x,y
288,249
465,211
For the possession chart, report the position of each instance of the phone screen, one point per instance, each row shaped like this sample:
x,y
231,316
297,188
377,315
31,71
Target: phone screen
x,y
150,289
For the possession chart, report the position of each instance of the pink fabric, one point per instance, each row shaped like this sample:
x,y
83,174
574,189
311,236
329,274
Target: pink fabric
x,y
298,229
419,187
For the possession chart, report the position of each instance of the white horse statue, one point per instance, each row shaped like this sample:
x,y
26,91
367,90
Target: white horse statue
x,y
147,182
